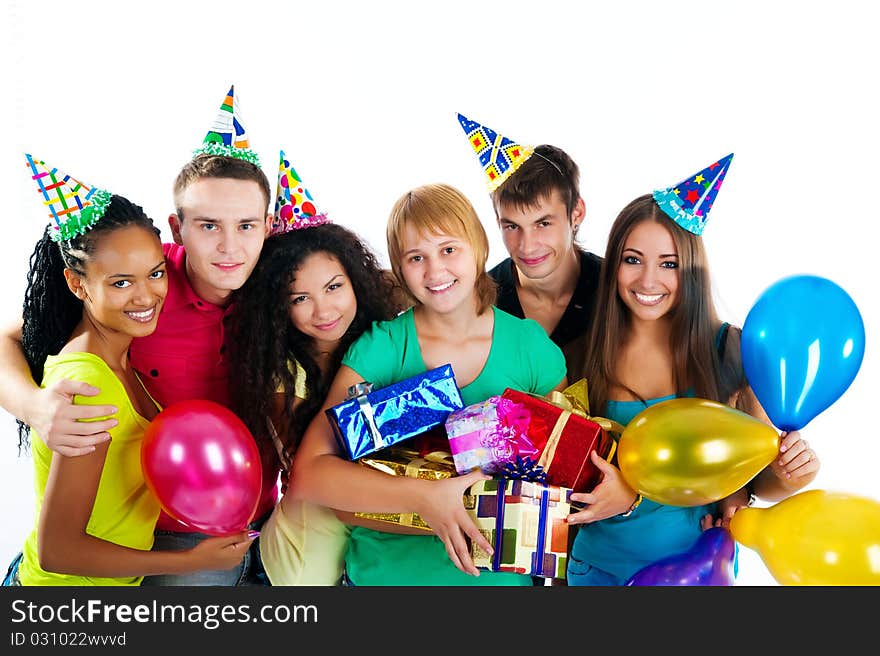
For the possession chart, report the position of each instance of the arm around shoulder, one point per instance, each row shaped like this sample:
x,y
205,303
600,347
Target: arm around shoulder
x,y
50,410
17,387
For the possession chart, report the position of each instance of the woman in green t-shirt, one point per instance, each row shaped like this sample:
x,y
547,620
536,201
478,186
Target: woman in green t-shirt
x,y
438,250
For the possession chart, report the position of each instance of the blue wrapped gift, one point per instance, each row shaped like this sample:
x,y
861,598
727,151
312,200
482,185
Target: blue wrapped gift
x,y
373,420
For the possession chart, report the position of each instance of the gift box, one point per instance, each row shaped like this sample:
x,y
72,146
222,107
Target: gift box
x,y
564,433
375,419
431,466
525,524
489,434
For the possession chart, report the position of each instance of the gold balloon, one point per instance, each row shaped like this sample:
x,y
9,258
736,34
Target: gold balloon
x,y
690,452
815,538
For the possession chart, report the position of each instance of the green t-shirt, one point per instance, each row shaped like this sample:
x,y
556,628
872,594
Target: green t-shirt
x,y
521,357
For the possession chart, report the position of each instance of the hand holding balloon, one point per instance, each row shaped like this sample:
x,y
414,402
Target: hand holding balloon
x,y
797,463
727,508
219,553
611,496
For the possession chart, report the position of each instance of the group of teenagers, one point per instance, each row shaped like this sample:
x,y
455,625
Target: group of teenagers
x,y
276,315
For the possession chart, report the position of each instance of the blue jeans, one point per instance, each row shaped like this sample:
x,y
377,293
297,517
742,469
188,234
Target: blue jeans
x,y
582,574
12,573
249,572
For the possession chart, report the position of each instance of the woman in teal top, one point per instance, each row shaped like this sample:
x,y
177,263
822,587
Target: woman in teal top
x,y
438,250
659,337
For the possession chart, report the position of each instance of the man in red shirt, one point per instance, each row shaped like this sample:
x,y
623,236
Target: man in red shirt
x,y
219,227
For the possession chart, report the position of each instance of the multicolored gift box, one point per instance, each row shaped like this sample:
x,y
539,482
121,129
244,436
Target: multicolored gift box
x,y
375,419
431,466
563,432
525,524
544,439
489,434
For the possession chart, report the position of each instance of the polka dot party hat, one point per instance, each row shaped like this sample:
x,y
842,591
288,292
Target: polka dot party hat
x,y
294,206
498,155
688,203
227,136
74,207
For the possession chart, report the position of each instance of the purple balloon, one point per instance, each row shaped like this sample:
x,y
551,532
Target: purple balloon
x,y
708,562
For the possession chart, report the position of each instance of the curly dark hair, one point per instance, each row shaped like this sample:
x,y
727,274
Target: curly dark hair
x,y
50,311
264,339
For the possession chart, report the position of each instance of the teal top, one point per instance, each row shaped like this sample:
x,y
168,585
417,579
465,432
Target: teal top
x,y
521,357
610,551
621,546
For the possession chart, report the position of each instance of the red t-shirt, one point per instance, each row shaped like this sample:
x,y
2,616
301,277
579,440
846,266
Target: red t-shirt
x,y
184,358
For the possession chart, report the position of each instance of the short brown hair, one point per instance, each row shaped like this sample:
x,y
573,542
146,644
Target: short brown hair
x,y
547,169
440,209
218,166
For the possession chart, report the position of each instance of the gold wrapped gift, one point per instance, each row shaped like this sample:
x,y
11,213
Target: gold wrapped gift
x,y
397,461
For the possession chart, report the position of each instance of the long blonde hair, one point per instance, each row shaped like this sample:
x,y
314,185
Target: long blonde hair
x,y
440,209
696,361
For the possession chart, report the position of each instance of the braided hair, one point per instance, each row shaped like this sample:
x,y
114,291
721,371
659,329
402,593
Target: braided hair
x,y
266,341
50,311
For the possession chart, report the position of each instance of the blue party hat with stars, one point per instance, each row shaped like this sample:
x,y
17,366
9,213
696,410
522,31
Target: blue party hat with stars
x,y
688,203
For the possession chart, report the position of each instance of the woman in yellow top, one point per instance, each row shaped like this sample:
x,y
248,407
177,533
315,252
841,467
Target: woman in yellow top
x,y
97,280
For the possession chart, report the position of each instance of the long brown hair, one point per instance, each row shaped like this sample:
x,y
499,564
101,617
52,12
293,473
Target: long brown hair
x,y
697,364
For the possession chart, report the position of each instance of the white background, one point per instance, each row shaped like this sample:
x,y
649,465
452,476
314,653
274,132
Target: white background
x,y
363,98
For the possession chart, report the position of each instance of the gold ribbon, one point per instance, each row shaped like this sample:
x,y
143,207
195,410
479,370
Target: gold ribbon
x,y
411,469
574,399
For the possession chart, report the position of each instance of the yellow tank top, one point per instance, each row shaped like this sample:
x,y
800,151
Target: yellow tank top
x,y
125,511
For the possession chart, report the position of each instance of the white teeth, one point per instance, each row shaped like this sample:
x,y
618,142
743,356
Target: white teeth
x,y
441,288
146,314
648,298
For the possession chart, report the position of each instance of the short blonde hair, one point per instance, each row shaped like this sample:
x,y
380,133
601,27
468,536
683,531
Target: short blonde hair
x,y
440,209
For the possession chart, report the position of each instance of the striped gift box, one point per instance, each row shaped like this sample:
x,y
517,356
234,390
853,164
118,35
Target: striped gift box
x,y
525,524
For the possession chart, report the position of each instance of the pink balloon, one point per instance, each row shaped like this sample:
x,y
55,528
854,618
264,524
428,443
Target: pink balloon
x,y
203,465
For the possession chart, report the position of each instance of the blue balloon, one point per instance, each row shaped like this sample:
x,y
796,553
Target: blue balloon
x,y
802,345
710,561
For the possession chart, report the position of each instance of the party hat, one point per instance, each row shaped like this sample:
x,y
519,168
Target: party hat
x,y
74,207
688,203
294,206
227,136
498,155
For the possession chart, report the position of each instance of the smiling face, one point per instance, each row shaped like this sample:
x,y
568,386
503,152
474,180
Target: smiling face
x,y
124,285
322,301
648,271
539,237
222,226
439,270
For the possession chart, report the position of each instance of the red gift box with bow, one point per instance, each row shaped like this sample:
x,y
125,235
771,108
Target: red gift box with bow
x,y
564,433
